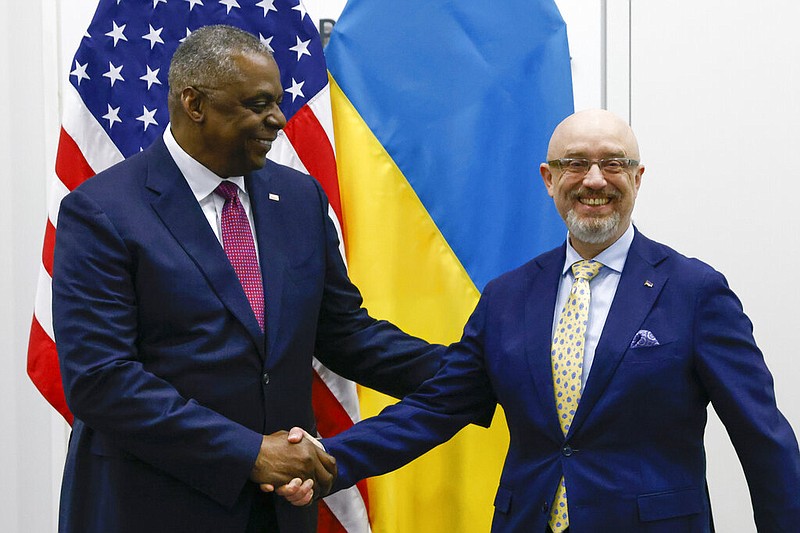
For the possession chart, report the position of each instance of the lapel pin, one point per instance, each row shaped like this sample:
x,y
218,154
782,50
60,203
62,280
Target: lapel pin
x,y
648,284
274,197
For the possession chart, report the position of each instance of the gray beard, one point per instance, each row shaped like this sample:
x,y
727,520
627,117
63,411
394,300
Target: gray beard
x,y
593,230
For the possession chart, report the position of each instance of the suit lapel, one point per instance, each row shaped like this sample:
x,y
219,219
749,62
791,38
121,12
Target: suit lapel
x,y
267,221
178,209
539,311
639,287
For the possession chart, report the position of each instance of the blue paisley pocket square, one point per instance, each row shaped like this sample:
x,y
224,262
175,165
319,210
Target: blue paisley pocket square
x,y
643,339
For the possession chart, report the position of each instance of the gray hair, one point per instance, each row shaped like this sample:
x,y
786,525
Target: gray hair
x,y
205,58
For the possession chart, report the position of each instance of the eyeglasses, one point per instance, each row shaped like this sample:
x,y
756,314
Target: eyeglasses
x,y
581,166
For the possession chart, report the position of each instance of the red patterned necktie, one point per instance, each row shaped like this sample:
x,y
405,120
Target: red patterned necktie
x,y
237,240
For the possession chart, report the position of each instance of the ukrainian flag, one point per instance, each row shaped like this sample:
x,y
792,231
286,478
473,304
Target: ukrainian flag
x,y
442,111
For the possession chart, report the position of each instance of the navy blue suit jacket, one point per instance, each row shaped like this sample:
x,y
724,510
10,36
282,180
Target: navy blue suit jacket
x,y
634,459
171,381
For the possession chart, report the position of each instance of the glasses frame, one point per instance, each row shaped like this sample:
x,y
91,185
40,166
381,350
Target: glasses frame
x,y
564,162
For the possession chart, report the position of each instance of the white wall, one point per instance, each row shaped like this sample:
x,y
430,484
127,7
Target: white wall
x,y
708,85
27,134
715,105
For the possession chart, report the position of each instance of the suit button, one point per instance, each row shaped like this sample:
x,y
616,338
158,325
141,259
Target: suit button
x,y
567,450
545,507
265,378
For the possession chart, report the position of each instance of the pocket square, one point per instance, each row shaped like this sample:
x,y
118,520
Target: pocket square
x,y
644,338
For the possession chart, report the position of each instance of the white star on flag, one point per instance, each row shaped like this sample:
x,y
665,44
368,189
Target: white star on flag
x,y
154,36
193,3
112,116
113,73
296,89
151,77
266,41
156,2
117,33
267,6
301,48
301,8
230,4
80,72
147,117
188,32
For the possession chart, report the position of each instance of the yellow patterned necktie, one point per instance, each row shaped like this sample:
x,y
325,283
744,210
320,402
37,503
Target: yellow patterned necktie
x,y
566,357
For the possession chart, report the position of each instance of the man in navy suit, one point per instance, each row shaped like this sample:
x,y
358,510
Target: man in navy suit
x,y
177,391
664,337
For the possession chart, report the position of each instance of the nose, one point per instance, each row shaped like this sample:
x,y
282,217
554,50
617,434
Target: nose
x,y
275,118
594,178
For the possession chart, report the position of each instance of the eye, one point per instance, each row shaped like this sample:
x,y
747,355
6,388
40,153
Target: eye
x,y
614,165
576,165
259,106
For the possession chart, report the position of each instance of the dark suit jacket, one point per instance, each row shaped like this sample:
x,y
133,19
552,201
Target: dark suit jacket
x,y
634,459
169,376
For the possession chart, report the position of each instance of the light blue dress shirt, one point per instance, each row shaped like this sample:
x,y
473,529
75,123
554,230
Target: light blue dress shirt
x,y
603,288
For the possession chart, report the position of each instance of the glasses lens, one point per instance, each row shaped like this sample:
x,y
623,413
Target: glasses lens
x,y
576,166
613,166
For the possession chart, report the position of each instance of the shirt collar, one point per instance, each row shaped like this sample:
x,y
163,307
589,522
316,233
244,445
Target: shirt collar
x,y
612,257
201,180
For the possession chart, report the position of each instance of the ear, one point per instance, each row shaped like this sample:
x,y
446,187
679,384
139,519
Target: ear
x,y
637,178
547,177
193,103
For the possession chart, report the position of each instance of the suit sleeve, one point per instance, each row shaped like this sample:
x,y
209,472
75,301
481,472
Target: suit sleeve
x,y
460,393
106,384
741,389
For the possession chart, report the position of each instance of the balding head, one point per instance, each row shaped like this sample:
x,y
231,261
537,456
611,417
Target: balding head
x,y
597,203
595,127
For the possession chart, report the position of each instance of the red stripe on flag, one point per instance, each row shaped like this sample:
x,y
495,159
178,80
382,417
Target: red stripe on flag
x,y
48,247
332,419
71,167
314,149
362,488
331,415
327,521
43,369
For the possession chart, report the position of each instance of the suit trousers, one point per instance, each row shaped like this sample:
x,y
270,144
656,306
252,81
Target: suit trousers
x,y
262,514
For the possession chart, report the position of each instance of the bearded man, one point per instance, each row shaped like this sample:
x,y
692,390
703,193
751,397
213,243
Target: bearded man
x,y
604,354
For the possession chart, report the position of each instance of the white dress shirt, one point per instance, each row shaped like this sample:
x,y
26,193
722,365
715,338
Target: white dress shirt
x,y
603,288
203,182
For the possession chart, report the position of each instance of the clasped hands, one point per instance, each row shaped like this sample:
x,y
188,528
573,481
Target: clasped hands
x,y
294,465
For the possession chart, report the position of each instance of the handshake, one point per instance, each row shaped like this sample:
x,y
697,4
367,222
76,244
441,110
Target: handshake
x,y
294,465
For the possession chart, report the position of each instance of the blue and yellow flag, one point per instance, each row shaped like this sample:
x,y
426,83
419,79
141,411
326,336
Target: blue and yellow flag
x,y
442,111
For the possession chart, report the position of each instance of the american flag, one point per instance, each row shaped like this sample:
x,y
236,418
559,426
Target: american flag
x,y
115,104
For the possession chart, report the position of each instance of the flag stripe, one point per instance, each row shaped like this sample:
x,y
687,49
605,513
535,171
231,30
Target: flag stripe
x,y
464,106
44,374
48,247
350,509
409,275
396,253
336,418
71,167
442,112
314,148
87,133
327,521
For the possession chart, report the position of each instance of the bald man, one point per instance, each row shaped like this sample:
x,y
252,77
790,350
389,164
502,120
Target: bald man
x,y
605,371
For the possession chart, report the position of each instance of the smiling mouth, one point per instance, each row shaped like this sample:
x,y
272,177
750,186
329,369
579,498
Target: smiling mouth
x,y
595,201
